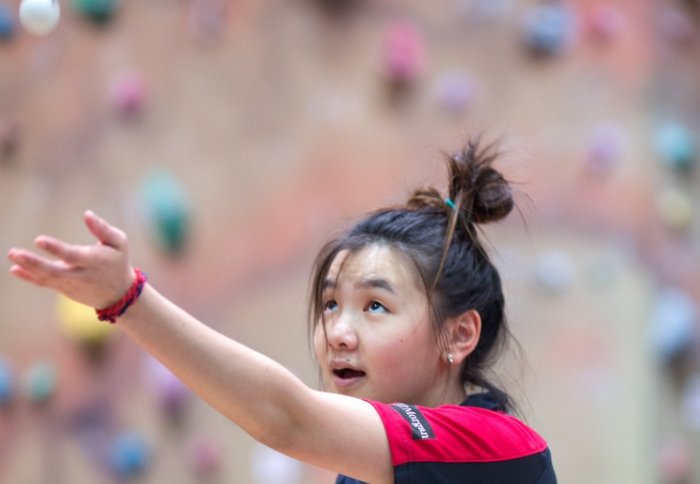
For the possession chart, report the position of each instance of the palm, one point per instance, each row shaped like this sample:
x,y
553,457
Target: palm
x,y
96,275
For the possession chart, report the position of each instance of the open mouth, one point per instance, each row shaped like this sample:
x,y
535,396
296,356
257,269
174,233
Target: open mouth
x,y
348,373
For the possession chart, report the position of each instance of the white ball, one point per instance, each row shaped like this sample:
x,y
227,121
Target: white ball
x,y
39,16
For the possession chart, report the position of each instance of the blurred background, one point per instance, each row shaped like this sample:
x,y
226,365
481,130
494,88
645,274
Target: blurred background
x,y
231,138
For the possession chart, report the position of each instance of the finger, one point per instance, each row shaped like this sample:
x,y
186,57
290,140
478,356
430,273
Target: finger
x,y
104,232
72,254
37,266
23,274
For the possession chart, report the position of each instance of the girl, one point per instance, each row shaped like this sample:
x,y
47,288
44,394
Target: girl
x,y
406,313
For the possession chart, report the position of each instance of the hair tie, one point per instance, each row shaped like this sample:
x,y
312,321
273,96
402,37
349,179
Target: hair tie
x,y
450,204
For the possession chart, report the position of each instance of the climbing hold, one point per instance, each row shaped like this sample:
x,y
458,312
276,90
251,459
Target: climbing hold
x,y
8,24
554,271
605,23
676,146
128,94
171,394
673,322
403,55
80,324
166,209
455,92
548,29
39,17
6,383
98,11
675,461
204,455
675,209
605,147
129,454
40,382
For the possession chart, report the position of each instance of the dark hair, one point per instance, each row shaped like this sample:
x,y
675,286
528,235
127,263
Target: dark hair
x,y
440,237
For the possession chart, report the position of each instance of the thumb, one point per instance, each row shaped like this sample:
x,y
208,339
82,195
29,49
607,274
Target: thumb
x,y
104,232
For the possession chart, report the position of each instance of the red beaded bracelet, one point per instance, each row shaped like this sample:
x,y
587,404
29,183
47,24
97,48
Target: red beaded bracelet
x,y
112,312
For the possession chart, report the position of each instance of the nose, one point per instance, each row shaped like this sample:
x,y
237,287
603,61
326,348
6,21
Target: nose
x,y
341,333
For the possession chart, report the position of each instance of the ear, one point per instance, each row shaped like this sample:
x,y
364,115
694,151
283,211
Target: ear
x,y
463,334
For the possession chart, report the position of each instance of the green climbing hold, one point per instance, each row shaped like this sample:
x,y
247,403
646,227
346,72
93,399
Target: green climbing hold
x,y
99,11
167,210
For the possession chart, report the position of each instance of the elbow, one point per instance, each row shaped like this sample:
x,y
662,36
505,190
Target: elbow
x,y
282,436
275,438
288,429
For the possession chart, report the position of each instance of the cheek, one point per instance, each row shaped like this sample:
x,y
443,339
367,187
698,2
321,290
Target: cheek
x,y
395,353
408,352
319,342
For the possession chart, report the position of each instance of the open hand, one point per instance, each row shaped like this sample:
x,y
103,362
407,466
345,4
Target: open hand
x,y
96,275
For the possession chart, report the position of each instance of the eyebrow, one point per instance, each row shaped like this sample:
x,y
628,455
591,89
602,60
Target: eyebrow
x,y
373,282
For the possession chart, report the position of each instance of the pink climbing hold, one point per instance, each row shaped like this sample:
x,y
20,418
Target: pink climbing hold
x,y
403,56
128,94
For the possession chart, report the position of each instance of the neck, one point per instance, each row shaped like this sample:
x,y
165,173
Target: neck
x,y
452,393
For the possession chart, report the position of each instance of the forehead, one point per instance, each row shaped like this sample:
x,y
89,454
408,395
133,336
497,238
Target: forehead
x,y
374,262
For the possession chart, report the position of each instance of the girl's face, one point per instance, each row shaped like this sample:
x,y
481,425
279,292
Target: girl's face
x,y
379,342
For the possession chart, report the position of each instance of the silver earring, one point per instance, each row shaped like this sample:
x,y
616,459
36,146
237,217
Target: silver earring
x,y
450,358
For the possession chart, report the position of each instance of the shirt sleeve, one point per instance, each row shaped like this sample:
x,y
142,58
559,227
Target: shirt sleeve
x,y
453,433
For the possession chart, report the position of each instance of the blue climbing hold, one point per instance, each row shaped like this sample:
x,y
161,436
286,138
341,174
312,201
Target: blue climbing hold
x,y
673,323
548,29
676,146
6,383
129,454
8,23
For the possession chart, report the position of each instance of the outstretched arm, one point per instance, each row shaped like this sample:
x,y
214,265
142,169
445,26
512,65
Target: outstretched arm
x,y
336,432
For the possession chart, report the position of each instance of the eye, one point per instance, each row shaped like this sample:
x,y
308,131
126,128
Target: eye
x,y
330,305
376,307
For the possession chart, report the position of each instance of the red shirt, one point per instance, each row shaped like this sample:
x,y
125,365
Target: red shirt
x,y
461,443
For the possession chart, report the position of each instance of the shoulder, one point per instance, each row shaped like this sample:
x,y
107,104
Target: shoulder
x,y
455,433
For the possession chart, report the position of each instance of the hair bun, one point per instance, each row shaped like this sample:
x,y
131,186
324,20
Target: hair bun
x,y
481,191
493,197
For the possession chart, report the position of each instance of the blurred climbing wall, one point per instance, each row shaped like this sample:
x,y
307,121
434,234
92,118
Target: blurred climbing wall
x,y
231,138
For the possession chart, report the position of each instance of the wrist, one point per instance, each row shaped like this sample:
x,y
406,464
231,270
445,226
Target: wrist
x,y
112,312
